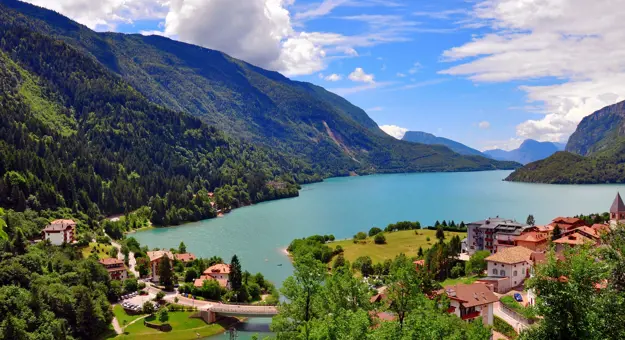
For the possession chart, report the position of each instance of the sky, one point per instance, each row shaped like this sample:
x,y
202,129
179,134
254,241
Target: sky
x,y
487,73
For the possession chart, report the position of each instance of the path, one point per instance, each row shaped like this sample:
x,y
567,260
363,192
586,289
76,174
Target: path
x,y
118,329
131,257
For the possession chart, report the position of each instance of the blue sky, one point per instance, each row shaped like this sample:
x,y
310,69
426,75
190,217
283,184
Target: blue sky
x,y
486,73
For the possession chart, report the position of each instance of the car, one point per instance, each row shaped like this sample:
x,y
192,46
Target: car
x,y
518,297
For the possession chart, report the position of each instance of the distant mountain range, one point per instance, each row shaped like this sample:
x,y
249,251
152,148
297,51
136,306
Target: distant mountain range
x,y
529,151
430,139
328,133
595,153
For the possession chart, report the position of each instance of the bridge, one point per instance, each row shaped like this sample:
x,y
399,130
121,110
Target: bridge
x,y
209,312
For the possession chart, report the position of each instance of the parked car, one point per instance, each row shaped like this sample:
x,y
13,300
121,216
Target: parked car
x,y
518,297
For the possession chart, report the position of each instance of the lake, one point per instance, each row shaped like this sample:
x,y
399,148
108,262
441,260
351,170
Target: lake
x,y
258,234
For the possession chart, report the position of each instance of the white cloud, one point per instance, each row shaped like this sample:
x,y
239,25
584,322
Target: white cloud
x,y
579,43
400,75
446,14
415,68
359,75
333,77
394,130
483,125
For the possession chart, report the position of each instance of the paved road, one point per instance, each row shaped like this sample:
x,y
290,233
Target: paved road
x,y
132,262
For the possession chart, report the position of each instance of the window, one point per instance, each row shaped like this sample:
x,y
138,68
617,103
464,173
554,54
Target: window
x,y
494,271
502,273
514,273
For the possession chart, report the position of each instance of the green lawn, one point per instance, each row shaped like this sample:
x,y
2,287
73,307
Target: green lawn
x,y
404,241
183,328
122,316
459,280
102,250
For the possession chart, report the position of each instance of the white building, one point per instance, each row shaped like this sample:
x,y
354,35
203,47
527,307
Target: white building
x,y
493,234
508,268
472,301
60,231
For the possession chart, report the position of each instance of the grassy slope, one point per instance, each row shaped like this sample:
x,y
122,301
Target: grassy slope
x,y
398,242
183,328
102,250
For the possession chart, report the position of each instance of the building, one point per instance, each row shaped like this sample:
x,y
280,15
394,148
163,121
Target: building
x,y
572,240
471,301
185,258
493,234
155,259
219,272
534,240
116,268
617,210
567,223
508,268
60,231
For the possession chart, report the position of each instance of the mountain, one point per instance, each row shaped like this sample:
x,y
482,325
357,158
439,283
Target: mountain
x,y
430,139
595,153
247,102
529,151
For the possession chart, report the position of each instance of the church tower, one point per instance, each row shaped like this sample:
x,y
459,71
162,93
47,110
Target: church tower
x,y
617,210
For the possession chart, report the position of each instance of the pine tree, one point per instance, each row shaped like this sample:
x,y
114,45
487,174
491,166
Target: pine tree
x,y
19,242
530,220
420,253
165,274
236,277
557,233
440,234
182,248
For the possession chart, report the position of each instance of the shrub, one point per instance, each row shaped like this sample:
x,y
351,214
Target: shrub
x,y
510,302
374,231
427,239
148,307
160,296
338,250
141,285
504,328
360,236
379,239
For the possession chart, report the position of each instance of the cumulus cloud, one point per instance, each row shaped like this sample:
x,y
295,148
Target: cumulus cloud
x,y
359,75
578,42
394,130
333,77
483,125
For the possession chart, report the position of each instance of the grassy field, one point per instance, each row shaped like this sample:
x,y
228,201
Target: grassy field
x,y
102,250
183,328
460,280
121,316
405,241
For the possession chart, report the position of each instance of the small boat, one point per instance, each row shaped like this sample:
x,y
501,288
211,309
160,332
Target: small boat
x,y
279,264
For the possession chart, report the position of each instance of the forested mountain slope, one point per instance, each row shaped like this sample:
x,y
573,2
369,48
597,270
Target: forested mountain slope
x,y
430,139
247,102
74,135
595,153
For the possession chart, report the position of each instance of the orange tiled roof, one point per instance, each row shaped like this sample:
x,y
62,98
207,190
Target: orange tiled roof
x,y
574,239
220,268
186,257
419,263
475,294
588,231
545,228
511,255
601,228
533,236
566,220
110,261
157,254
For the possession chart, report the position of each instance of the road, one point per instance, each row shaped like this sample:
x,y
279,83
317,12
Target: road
x,y
131,258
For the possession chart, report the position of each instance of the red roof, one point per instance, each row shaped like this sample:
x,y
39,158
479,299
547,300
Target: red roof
x,y
533,236
475,294
59,225
220,268
186,257
110,261
574,239
601,228
419,263
566,220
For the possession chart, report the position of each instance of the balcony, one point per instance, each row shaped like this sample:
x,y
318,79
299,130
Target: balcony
x,y
471,315
488,239
505,242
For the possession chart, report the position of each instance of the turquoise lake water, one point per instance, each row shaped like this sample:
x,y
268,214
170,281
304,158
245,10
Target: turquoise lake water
x,y
258,234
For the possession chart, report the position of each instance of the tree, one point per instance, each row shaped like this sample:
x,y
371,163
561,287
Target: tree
x,y
379,239
440,233
148,308
477,262
115,290
339,262
302,304
374,231
130,286
159,296
360,236
190,275
19,242
165,274
142,266
420,252
530,220
182,248
235,273
364,264
163,315
557,233
403,290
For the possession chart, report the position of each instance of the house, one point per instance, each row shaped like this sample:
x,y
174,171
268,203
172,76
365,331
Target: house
x,y
493,234
155,259
471,301
219,272
116,268
185,257
572,240
617,211
60,231
534,240
567,223
508,268
601,228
